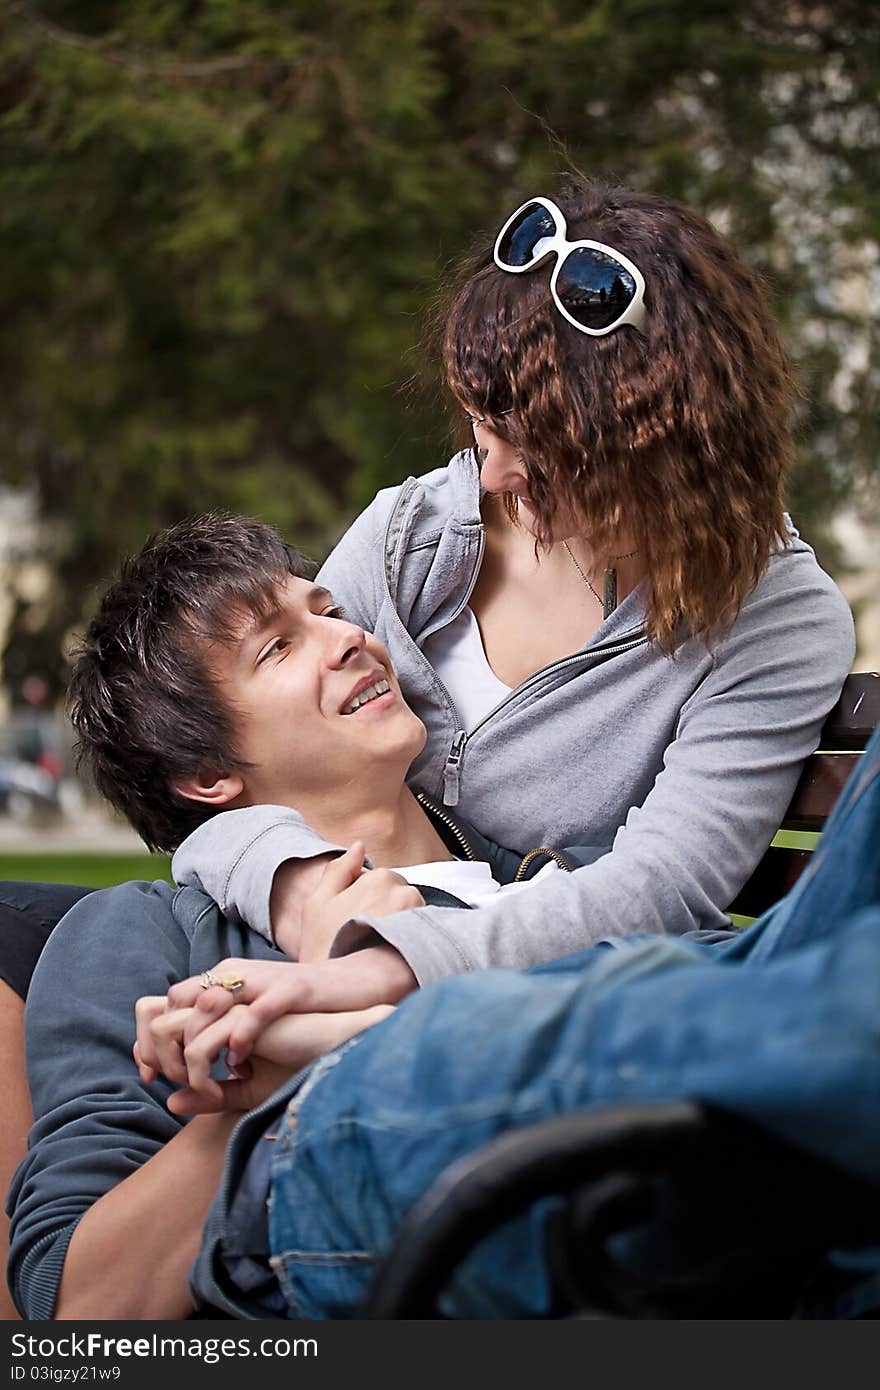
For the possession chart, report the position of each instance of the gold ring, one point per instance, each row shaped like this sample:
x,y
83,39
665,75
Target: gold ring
x,y
207,980
234,983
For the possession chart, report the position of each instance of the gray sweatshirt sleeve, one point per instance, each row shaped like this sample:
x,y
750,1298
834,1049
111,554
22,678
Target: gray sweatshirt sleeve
x,y
233,857
682,856
95,1122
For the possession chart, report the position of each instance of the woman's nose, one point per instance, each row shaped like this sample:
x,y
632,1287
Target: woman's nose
x,y
502,469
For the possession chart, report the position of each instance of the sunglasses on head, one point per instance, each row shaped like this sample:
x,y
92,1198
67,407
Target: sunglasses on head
x,y
595,287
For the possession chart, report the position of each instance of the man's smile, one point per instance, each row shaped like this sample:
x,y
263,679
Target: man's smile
x,y
373,687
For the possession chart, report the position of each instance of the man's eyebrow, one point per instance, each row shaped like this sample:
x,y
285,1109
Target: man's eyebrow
x,y
260,622
317,591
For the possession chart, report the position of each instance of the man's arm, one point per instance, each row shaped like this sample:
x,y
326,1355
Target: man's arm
x,y
130,1255
108,1203
17,1115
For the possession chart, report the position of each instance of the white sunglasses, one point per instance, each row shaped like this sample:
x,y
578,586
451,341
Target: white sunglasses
x,y
595,287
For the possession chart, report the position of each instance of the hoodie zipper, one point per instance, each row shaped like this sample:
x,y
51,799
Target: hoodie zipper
x,y
452,770
439,814
533,854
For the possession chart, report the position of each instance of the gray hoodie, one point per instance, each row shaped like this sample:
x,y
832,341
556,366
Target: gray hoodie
x,y
684,764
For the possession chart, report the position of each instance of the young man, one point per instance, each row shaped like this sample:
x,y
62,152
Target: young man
x,y
215,675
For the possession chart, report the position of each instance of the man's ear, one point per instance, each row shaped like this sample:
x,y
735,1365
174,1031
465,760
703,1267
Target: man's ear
x,y
214,788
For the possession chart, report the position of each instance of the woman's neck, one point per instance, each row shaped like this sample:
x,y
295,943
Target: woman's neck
x,y
625,560
533,609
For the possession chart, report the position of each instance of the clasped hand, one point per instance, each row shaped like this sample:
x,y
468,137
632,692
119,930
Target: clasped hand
x,y
184,1043
286,1013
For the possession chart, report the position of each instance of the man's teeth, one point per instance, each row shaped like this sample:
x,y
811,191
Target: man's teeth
x,y
371,693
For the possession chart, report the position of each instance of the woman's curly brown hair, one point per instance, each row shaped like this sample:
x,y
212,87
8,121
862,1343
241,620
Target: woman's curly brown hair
x,y
680,435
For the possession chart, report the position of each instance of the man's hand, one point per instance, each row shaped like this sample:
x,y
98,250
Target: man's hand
x,y
347,890
257,1081
281,1050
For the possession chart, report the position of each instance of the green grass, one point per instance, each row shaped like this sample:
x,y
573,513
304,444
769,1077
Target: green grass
x,y
91,870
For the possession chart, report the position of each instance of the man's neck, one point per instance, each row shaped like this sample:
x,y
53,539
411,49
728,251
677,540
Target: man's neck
x,y
396,834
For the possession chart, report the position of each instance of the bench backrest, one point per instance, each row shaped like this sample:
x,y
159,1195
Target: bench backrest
x,y
845,733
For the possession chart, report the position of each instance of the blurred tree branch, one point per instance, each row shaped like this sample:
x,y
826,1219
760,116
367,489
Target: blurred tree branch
x,y
134,62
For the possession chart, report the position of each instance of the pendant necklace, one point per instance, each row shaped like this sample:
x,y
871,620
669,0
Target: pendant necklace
x,y
609,601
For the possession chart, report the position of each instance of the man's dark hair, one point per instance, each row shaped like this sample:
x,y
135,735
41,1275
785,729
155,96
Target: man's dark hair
x,y
142,699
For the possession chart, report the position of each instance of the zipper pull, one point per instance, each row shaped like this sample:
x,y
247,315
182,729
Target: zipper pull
x,y
453,769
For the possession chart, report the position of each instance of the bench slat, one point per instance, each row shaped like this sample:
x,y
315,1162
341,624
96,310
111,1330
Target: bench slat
x,y
820,785
845,734
856,714
777,872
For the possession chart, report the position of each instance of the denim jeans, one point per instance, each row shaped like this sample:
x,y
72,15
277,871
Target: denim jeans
x,y
781,1027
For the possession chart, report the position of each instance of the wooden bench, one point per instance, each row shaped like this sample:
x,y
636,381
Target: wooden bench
x,y
844,736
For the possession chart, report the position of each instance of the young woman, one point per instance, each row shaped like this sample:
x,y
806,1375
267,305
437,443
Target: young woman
x,y
600,610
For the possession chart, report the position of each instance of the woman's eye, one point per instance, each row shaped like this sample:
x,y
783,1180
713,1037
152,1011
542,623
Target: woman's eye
x,y
334,612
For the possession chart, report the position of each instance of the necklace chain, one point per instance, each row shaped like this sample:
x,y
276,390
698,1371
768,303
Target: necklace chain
x,y
583,576
609,602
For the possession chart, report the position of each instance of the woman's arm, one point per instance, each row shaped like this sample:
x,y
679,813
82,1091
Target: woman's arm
x,y
350,988
167,1046
234,857
683,854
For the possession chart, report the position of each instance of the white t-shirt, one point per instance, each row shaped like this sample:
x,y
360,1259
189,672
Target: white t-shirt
x,y
470,880
457,654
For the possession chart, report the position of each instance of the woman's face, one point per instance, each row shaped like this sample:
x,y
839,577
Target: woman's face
x,y
503,470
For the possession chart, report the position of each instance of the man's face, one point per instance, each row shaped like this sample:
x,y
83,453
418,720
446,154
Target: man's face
x,y
315,703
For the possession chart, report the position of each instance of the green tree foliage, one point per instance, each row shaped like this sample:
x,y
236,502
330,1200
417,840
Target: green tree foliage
x,y
221,222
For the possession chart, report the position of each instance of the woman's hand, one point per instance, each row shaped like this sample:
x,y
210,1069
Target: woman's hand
x,y
168,1025
346,890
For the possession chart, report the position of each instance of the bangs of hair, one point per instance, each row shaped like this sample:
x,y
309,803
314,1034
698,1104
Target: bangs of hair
x,y
145,704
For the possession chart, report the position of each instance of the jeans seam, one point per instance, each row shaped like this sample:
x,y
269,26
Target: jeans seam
x,y
321,1259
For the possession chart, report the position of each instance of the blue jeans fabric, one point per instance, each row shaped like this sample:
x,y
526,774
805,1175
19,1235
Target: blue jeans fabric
x,y
781,1027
